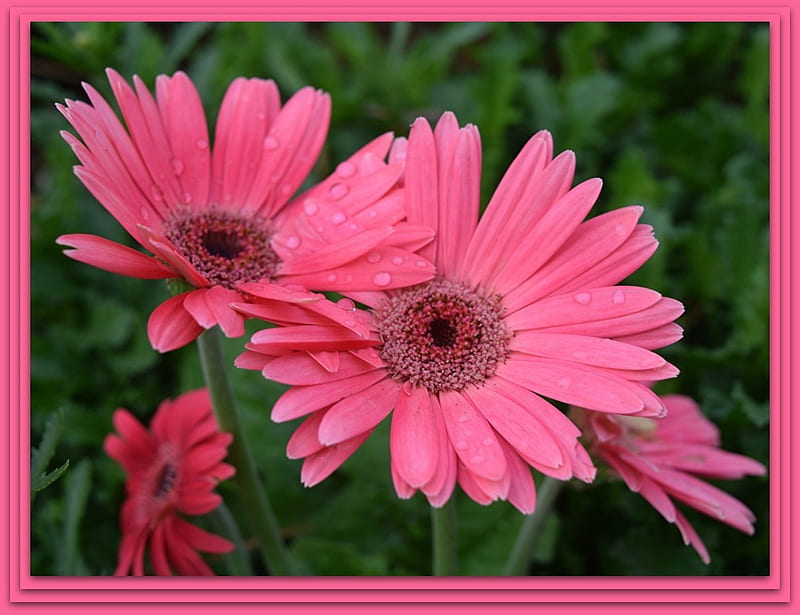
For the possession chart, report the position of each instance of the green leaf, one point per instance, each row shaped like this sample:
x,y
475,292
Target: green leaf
x,y
41,456
77,488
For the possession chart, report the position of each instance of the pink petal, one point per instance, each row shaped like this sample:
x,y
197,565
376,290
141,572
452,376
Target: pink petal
x,y
202,540
686,423
304,441
473,439
158,553
332,256
319,466
467,481
198,503
185,125
440,487
247,111
421,180
597,304
299,401
691,537
413,438
548,235
596,351
359,412
219,300
522,491
298,368
593,240
459,193
170,326
656,338
403,490
523,431
310,338
572,383
111,256
524,170
658,499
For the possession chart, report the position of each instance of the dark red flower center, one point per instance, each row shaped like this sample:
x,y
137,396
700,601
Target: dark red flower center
x,y
442,335
166,481
226,248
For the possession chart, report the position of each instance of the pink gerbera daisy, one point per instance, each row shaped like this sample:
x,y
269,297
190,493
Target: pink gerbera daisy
x,y
171,469
523,307
215,218
661,460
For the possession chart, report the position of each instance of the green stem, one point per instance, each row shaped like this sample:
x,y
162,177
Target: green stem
x,y
251,491
532,527
445,549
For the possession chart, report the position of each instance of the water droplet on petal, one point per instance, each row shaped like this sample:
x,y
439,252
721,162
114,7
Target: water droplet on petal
x,y
338,218
463,418
422,264
619,297
408,388
201,144
286,189
261,116
619,229
177,166
563,382
310,207
145,212
398,260
320,229
292,242
477,459
187,197
271,143
353,226
382,278
583,298
346,169
338,191
487,441
332,277
580,355
348,278
346,304
373,214
374,257
156,193
462,445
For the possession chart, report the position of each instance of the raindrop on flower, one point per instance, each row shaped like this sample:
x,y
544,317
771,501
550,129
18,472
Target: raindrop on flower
x,y
346,169
487,441
462,445
310,207
564,382
382,278
292,242
338,218
187,197
478,459
338,191
201,144
583,298
346,304
332,277
463,418
271,143
156,193
374,257
177,166
422,264
397,260
580,355
619,297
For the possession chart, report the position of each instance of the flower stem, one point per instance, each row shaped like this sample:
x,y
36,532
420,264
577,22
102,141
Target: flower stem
x,y
251,491
237,562
532,527
445,549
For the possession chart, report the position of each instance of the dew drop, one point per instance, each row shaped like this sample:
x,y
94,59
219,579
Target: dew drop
x,y
348,278
462,445
373,214
619,297
397,260
320,229
271,143
338,218
187,197
292,242
422,264
338,191
463,418
583,298
382,278
310,207
408,388
177,166
346,169
145,212
477,459
156,193
619,229
487,441
580,355
374,257
286,189
261,116
563,382
346,304
201,144
353,226
332,277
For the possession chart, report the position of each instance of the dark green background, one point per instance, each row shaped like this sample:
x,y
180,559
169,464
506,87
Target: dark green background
x,y
673,116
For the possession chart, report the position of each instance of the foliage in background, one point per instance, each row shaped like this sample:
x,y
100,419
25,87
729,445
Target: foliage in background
x,y
673,116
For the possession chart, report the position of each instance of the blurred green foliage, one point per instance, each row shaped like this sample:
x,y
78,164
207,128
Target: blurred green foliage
x,y
673,116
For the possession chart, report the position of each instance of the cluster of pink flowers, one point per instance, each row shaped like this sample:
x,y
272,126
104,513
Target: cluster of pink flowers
x,y
466,329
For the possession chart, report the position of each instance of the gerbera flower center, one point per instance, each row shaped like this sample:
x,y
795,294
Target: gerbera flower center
x,y
442,335
224,247
166,481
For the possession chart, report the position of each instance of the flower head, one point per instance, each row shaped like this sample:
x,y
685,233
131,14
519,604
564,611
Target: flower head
x,y
524,306
661,459
217,217
171,468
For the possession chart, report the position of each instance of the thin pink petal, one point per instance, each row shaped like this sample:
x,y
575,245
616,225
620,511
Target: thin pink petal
x,y
413,438
359,412
298,368
320,465
421,180
656,338
304,441
113,257
170,326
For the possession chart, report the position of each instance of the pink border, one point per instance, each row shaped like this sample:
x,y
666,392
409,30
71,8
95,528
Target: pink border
x,y
22,588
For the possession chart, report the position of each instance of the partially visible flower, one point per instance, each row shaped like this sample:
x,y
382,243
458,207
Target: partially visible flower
x,y
524,306
662,459
171,468
217,217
